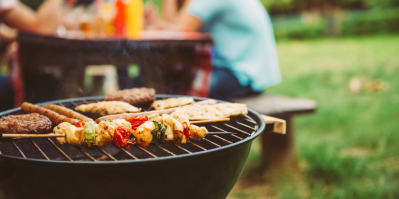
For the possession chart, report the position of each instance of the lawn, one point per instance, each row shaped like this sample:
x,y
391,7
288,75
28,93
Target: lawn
x,y
349,147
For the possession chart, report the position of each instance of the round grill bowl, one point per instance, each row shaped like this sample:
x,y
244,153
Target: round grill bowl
x,y
210,172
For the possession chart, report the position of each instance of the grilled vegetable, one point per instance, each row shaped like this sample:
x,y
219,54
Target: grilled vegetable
x,y
137,121
186,130
89,132
122,138
80,124
156,132
162,130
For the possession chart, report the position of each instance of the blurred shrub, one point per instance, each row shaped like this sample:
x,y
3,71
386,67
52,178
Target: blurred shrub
x,y
375,21
380,21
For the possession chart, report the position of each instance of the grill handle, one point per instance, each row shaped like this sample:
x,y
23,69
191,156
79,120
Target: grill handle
x,y
279,125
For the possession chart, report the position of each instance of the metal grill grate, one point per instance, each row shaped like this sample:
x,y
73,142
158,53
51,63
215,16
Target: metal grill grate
x,y
48,149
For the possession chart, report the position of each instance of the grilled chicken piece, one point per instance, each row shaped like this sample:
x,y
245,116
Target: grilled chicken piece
x,y
216,111
104,132
107,108
154,117
197,133
60,129
121,122
181,119
174,131
74,135
143,134
171,103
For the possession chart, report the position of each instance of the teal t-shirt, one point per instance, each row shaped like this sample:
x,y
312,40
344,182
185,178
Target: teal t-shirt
x,y
243,38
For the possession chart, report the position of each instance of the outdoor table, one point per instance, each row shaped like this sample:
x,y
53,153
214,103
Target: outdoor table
x,y
165,59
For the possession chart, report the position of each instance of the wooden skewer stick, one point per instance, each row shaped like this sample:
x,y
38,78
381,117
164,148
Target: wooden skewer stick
x,y
31,135
210,121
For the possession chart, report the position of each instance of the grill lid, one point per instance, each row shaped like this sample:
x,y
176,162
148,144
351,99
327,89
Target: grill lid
x,y
46,149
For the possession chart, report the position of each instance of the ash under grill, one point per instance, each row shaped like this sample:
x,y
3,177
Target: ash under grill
x,y
48,149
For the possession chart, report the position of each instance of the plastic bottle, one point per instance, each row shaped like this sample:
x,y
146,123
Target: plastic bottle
x,y
119,19
134,18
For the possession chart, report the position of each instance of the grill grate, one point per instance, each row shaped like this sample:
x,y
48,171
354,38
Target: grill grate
x,y
243,126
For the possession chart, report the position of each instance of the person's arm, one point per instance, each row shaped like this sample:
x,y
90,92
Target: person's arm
x,y
44,21
189,23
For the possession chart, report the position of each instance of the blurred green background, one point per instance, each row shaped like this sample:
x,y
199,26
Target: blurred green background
x,y
348,148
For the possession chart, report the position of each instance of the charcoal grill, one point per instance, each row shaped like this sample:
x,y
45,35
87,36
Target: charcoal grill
x,y
41,168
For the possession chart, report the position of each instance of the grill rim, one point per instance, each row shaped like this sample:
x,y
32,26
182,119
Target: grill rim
x,y
180,157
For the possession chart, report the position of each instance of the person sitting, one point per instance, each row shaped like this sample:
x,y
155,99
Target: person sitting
x,y
245,60
21,17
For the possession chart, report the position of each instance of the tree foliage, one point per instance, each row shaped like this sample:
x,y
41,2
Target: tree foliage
x,y
276,7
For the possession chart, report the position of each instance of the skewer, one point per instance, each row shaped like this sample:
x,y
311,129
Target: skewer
x,y
210,121
29,136
17,136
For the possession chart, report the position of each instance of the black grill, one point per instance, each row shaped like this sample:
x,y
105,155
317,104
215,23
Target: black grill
x,y
47,148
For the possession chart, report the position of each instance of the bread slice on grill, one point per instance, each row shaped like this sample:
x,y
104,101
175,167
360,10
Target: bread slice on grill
x,y
134,96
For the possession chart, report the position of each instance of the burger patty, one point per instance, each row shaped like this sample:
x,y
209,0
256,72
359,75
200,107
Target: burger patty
x,y
134,96
28,123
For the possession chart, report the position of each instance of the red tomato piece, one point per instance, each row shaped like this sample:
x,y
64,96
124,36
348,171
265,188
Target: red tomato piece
x,y
137,121
80,124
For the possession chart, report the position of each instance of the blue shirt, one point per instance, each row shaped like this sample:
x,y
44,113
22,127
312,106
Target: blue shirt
x,y
244,41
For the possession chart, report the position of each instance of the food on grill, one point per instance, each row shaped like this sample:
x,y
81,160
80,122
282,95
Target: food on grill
x,y
144,133
53,116
134,96
215,111
118,131
160,112
73,135
67,112
107,108
21,124
171,103
92,134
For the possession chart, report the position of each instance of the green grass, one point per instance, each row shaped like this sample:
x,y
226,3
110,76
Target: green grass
x,y
349,147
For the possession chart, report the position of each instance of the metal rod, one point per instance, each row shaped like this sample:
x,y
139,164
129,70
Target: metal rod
x,y
147,152
224,140
252,128
200,147
210,142
127,152
39,149
17,136
19,150
107,154
58,148
249,119
239,130
166,151
181,148
86,154
234,136
220,133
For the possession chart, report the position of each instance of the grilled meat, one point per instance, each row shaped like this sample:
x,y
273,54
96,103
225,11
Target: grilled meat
x,y
216,111
197,133
171,103
134,96
67,112
107,108
53,116
21,124
144,135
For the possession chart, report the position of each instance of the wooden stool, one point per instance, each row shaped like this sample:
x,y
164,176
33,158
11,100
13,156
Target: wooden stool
x,y
277,148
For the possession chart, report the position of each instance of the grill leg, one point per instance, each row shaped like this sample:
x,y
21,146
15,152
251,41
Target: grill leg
x,y
277,149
